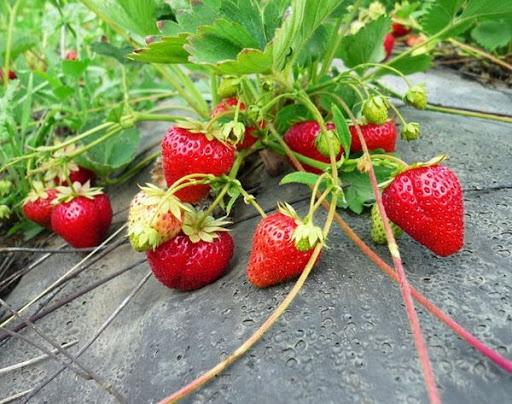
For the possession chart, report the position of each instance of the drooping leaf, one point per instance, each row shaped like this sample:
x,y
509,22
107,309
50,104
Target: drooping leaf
x,y
167,49
299,177
109,50
367,45
228,48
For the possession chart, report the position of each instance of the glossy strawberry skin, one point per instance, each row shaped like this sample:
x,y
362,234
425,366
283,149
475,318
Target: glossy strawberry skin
x,y
183,265
426,202
71,55
398,30
301,138
376,137
83,222
389,44
40,210
228,104
274,258
185,153
82,175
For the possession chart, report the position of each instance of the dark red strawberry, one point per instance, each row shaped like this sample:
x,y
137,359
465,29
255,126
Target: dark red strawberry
x,y
83,219
302,138
389,44
38,206
80,174
12,75
229,105
181,264
376,137
426,202
184,153
274,256
398,30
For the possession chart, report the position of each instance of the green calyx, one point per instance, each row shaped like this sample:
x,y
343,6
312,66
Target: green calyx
x,y
377,230
416,96
411,131
67,194
375,109
200,227
324,140
306,235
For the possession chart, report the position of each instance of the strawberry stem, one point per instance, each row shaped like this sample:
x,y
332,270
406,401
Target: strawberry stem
x,y
405,288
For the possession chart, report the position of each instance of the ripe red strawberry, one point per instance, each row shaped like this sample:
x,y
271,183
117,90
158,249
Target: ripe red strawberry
x,y
71,55
83,218
389,44
398,30
11,75
181,264
274,256
38,206
426,202
229,104
376,136
302,138
184,153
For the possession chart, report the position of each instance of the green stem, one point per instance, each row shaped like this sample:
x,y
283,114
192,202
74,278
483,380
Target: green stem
x,y
451,110
303,159
214,89
133,170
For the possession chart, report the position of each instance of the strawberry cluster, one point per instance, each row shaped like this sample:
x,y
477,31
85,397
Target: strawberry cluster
x,y
70,207
187,248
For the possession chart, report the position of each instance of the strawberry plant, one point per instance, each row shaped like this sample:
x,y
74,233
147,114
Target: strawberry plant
x,y
295,78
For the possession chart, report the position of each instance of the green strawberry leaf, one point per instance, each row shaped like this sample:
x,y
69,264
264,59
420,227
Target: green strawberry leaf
x,y
273,13
358,189
492,34
342,130
75,68
166,50
138,17
299,177
20,43
367,45
290,115
304,19
112,154
106,49
439,14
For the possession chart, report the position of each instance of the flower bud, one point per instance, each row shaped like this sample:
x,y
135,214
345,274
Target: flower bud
x,y
417,97
411,131
322,143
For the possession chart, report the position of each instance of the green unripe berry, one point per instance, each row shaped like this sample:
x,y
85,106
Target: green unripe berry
x,y
5,187
411,131
5,212
417,97
323,141
375,110
228,88
377,231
